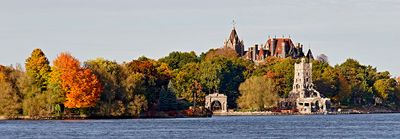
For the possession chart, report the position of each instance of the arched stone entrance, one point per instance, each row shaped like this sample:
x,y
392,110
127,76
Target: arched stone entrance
x,y
216,102
216,106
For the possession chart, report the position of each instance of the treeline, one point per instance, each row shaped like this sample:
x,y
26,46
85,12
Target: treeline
x,y
101,87
349,84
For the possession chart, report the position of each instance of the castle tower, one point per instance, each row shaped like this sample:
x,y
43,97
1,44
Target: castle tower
x,y
303,78
310,55
233,42
303,95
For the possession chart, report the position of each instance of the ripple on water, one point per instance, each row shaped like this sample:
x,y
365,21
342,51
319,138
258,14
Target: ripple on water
x,y
310,126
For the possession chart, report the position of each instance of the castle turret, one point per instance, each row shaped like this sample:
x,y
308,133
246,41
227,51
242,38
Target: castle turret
x,y
233,42
306,98
302,76
310,55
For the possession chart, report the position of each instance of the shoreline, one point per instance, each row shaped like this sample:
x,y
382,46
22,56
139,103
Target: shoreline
x,y
268,113
216,114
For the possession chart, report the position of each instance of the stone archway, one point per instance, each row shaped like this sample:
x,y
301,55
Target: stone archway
x,y
216,106
216,102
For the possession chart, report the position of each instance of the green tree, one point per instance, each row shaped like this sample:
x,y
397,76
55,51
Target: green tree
x,y
183,80
176,60
223,75
385,88
167,100
111,101
258,93
357,78
282,72
328,82
154,74
133,85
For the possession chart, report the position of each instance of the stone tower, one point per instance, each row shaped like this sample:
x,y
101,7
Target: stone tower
x,y
304,97
303,78
233,42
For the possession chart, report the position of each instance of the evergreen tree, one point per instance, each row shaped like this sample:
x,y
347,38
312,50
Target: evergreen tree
x,y
167,100
38,68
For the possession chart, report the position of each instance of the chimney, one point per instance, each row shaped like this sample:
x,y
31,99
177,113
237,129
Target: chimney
x,y
255,52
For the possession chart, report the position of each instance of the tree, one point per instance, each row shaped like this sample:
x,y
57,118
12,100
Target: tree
x,y
385,88
198,96
38,68
134,93
35,85
82,88
221,52
177,60
258,93
325,78
356,76
282,72
137,106
323,58
112,100
167,100
186,82
328,83
10,98
223,75
155,75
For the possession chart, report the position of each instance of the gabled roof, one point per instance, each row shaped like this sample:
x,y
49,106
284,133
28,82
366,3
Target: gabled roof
x,y
278,47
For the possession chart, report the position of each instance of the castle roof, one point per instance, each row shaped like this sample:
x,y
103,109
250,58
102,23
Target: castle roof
x,y
233,36
309,54
276,45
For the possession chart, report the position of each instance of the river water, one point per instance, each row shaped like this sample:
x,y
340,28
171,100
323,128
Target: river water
x,y
300,126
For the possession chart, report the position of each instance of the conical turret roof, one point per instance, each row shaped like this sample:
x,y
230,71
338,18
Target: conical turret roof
x,y
310,55
233,36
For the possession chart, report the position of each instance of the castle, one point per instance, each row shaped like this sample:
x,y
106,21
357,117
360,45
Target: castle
x,y
303,96
276,47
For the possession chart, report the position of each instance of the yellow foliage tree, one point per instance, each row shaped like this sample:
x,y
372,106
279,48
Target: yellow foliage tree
x,y
258,93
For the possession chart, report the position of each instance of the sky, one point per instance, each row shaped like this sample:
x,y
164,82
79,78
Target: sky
x,y
123,30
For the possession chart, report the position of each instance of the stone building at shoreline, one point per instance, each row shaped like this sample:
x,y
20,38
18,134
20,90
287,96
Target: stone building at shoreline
x,y
303,96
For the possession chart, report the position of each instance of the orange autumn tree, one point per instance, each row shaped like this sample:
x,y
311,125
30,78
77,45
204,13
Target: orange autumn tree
x,y
81,86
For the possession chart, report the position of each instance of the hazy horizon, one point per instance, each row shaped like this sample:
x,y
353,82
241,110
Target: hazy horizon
x,y
365,30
